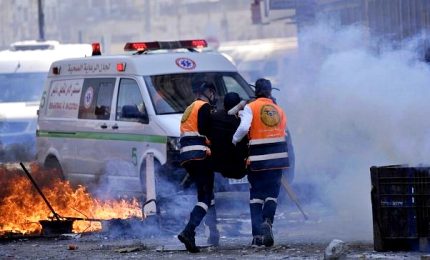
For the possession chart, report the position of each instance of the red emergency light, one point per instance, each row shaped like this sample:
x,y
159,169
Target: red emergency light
x,y
168,45
96,49
120,67
56,70
141,46
194,44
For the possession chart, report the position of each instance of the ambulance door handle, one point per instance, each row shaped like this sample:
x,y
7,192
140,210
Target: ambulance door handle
x,y
115,126
103,126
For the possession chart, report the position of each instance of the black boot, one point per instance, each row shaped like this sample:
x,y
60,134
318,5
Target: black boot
x,y
188,235
266,230
188,238
256,218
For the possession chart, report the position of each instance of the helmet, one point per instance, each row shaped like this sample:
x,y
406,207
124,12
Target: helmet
x,y
263,87
201,86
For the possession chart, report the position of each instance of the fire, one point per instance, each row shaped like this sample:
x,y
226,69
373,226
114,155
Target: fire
x,y
21,207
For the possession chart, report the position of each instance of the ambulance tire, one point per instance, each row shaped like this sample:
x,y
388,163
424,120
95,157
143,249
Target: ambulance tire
x,y
54,167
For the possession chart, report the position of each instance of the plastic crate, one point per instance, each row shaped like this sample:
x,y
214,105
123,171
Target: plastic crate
x,y
400,207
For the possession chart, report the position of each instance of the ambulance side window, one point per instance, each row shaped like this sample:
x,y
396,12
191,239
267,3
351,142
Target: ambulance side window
x,y
232,85
96,98
130,106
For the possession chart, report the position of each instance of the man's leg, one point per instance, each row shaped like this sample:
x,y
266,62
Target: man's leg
x,y
207,195
203,176
256,208
271,193
211,222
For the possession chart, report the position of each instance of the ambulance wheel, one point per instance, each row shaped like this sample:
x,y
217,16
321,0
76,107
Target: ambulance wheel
x,y
54,167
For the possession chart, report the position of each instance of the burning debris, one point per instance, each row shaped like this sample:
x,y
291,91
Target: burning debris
x,y
24,211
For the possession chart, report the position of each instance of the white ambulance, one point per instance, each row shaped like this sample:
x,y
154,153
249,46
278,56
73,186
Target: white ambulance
x,y
102,117
23,71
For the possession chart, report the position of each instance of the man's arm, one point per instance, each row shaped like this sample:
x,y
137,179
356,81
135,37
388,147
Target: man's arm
x,y
245,124
204,120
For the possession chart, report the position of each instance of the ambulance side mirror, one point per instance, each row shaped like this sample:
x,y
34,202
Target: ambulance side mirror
x,y
132,113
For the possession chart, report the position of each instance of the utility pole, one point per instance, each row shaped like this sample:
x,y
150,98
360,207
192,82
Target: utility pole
x,y
41,20
147,14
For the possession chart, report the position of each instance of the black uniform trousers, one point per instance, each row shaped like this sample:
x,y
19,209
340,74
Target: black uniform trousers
x,y
264,191
202,174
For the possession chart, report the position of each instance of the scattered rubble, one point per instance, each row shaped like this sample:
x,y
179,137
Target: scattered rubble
x,y
337,249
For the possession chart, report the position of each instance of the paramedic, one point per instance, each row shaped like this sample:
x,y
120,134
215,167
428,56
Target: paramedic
x,y
265,123
195,158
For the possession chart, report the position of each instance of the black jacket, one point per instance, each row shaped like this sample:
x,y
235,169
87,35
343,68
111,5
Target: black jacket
x,y
227,159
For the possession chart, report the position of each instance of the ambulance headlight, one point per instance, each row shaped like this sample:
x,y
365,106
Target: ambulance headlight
x,y
173,143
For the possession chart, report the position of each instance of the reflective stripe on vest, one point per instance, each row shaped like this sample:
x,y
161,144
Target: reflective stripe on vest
x,y
267,140
254,158
190,134
193,148
193,145
267,145
266,156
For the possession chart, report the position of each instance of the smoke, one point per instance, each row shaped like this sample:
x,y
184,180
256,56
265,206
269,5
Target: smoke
x,y
351,106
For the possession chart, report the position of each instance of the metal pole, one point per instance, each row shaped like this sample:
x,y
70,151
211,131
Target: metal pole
x,y
147,14
293,196
41,20
150,208
40,192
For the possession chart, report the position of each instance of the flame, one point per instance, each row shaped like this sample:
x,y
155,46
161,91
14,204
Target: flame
x,y
21,207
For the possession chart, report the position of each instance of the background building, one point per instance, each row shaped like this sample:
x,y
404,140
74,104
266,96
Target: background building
x,y
389,19
116,22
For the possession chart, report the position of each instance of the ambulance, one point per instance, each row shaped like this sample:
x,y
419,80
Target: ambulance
x,y
104,119
23,70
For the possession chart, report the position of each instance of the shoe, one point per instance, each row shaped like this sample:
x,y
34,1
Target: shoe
x,y
257,242
188,238
266,230
213,238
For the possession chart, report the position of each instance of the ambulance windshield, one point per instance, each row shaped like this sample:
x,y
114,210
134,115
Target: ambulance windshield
x,y
172,93
21,87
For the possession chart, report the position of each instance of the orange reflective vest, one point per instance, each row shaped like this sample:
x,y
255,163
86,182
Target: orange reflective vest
x,y
193,145
267,143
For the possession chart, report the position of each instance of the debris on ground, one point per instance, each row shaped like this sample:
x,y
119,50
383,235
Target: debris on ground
x,y
337,249
128,249
72,247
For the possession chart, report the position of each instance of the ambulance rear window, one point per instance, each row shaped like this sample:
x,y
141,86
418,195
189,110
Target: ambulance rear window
x,y
172,93
21,87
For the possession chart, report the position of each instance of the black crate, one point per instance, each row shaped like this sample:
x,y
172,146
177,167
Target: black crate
x,y
400,207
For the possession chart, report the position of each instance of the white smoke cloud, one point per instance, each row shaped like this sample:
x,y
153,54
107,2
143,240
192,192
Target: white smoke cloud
x,y
351,107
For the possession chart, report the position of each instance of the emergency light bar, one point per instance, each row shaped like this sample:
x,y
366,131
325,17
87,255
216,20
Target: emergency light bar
x,y
147,46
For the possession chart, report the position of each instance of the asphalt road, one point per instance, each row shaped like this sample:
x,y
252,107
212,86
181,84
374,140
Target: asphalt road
x,y
295,238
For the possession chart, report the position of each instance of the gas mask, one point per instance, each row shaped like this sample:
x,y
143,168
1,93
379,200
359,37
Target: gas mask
x,y
212,101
